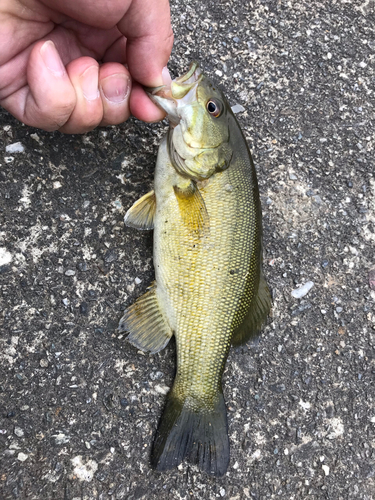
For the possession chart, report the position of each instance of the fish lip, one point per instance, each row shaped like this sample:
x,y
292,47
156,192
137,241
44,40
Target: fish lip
x,y
194,72
180,92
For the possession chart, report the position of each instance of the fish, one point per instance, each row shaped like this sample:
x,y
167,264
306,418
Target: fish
x,y
209,290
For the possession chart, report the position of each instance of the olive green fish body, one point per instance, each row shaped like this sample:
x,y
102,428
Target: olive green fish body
x,y
206,277
209,290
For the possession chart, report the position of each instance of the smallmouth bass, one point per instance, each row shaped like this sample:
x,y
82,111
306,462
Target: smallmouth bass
x,y
209,289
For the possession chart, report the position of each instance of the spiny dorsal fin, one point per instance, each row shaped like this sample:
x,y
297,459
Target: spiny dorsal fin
x,y
141,214
258,311
193,208
149,329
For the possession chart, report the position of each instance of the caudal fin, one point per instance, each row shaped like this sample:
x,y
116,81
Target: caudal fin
x,y
201,436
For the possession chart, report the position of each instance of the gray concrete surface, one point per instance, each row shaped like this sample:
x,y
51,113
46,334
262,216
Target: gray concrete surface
x,y
78,405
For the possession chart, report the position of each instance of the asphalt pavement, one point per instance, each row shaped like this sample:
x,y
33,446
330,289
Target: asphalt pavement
x,y
79,406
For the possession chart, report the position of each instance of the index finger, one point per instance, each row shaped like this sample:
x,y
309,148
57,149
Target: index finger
x,y
147,27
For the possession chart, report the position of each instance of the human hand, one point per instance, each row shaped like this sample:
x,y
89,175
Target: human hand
x,y
50,77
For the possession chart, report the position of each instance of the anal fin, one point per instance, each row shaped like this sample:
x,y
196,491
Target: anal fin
x,y
141,214
148,328
192,208
258,311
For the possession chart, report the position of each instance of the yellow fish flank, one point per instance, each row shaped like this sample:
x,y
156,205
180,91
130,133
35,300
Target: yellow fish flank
x,y
209,289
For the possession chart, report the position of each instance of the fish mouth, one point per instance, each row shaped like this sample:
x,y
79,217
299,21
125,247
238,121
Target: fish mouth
x,y
181,92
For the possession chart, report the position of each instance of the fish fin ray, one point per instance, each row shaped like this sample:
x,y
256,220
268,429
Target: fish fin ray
x,y
200,436
149,329
193,208
141,214
256,315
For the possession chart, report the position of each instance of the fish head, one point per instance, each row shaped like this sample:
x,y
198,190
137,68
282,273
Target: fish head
x,y
199,117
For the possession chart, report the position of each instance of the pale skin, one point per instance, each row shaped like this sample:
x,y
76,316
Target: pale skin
x,y
71,65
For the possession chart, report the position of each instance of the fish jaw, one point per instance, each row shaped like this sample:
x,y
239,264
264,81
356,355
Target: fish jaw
x,y
179,93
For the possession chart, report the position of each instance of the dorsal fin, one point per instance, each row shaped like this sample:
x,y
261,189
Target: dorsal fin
x,y
258,311
141,214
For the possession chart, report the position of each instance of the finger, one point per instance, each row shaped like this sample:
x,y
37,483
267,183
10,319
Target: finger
x,y
142,107
147,27
115,86
47,97
88,110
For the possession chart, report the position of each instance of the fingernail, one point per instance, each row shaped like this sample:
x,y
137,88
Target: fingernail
x,y
52,58
116,88
166,76
89,83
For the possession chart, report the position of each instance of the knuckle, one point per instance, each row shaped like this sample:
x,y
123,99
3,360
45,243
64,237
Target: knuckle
x,y
56,114
81,123
169,39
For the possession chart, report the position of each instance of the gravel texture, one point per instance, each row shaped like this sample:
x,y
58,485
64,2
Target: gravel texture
x,y
78,405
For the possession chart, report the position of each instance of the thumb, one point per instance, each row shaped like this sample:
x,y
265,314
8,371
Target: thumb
x,y
147,27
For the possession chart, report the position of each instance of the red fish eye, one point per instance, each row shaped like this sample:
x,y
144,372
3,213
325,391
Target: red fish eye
x,y
214,108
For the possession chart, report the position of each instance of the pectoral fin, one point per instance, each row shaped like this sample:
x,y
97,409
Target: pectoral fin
x,y
148,327
258,311
141,214
193,208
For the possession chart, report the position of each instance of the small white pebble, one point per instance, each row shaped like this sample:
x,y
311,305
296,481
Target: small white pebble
x,y
218,72
19,432
36,138
325,469
57,185
137,281
298,293
5,256
305,404
237,108
16,147
362,64
22,457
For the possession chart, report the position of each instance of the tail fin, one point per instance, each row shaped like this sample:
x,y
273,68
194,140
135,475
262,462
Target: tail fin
x,y
201,436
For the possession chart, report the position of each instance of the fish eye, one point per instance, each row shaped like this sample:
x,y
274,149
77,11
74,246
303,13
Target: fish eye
x,y
214,107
